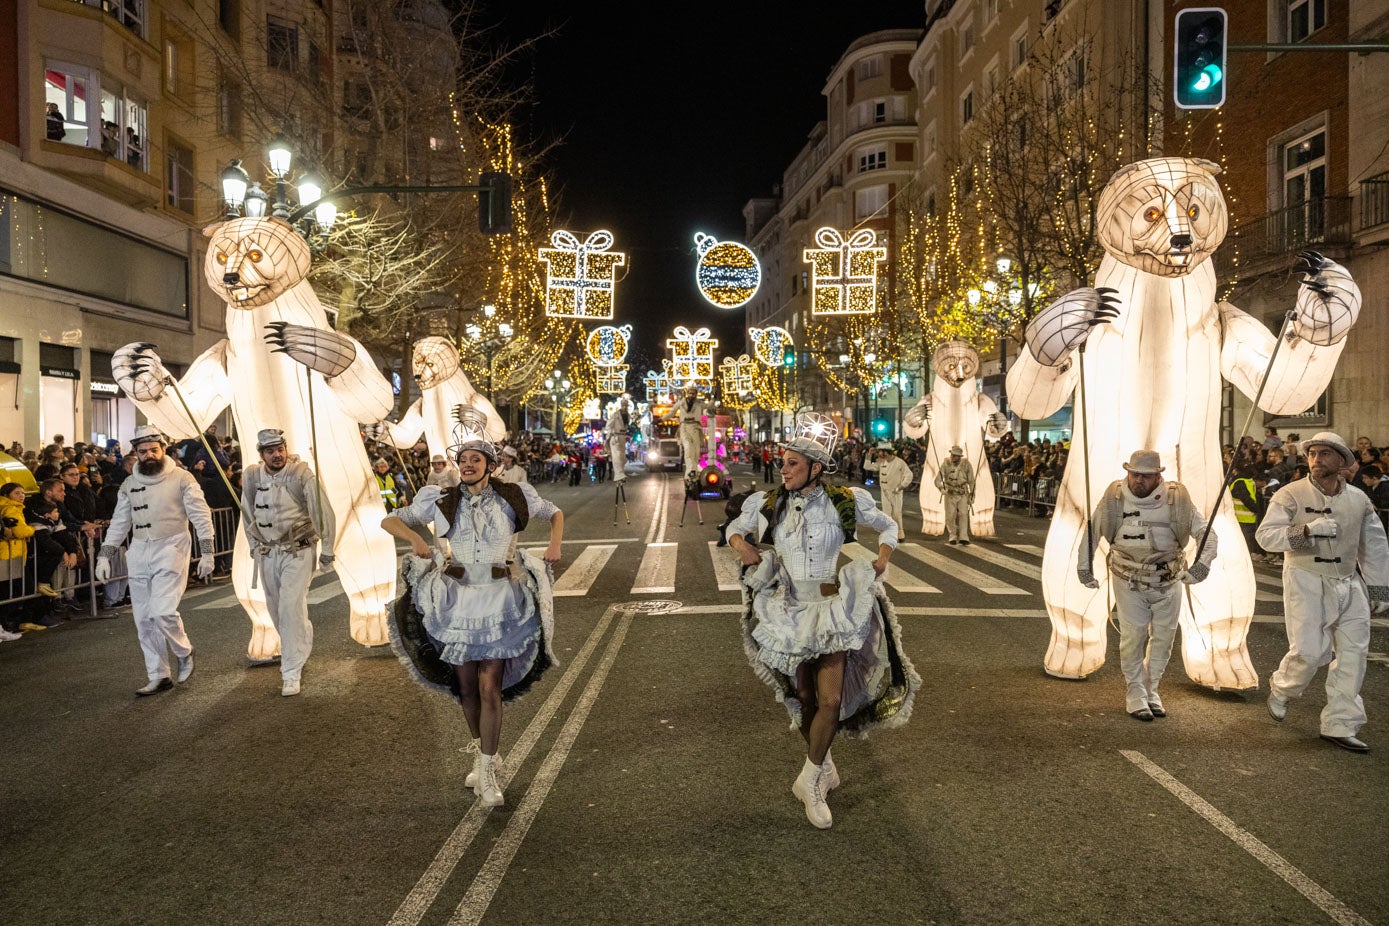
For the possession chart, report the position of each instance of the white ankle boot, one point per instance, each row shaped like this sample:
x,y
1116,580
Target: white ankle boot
x,y
831,773
489,792
475,747
810,788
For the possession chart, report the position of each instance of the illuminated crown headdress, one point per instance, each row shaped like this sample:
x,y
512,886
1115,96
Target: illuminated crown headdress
x,y
470,433
816,437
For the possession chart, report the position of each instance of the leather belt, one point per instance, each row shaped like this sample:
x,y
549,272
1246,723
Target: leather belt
x,y
829,588
461,574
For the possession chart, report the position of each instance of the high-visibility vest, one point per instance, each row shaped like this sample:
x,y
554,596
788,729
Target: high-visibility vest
x,y
1242,513
388,495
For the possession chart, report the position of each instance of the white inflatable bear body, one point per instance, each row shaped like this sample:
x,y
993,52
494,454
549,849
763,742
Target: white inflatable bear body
x,y
259,265
443,387
1153,381
956,412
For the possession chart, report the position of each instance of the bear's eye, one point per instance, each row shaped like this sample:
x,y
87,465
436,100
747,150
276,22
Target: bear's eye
x,y
1152,213
254,256
1193,211
221,258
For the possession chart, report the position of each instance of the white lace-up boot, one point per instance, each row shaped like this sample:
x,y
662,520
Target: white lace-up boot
x,y
488,790
831,773
475,747
810,788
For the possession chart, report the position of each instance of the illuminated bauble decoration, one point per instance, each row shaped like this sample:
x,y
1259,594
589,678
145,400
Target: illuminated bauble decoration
x,y
769,344
844,272
728,273
692,356
607,346
579,279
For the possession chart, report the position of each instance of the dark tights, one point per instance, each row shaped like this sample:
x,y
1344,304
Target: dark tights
x,y
819,686
480,686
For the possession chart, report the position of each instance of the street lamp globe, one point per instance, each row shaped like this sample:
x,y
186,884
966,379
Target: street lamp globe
x,y
505,330
325,214
869,357
310,189
280,155
1004,265
974,296
473,332
565,384
549,384
489,310
255,201
234,183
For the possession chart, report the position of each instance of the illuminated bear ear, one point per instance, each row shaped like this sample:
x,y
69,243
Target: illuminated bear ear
x,y
1209,167
1126,169
211,230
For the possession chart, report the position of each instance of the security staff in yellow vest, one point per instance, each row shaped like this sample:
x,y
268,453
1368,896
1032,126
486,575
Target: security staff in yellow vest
x,y
1244,495
390,492
1147,523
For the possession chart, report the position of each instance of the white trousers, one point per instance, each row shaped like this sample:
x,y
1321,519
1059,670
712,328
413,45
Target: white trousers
x,y
617,452
957,516
1147,627
1328,621
285,576
158,577
690,440
892,506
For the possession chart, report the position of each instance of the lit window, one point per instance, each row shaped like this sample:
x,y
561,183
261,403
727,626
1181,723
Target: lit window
x,y
67,90
870,203
123,129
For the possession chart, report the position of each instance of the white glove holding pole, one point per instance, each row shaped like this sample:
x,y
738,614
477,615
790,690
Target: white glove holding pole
x,y
1322,527
102,571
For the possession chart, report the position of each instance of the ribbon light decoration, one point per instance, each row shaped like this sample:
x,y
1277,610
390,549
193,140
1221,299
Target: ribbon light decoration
x,y
844,272
692,353
579,275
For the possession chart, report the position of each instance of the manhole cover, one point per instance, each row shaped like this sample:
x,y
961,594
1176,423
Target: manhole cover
x,y
648,607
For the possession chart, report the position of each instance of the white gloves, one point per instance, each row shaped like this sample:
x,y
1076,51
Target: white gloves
x,y
1087,577
102,570
1322,527
206,566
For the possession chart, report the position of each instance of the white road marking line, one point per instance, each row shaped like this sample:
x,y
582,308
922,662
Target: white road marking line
x,y
656,574
1007,562
726,563
1026,548
474,904
1261,595
1249,843
971,612
665,507
984,583
1266,582
543,543
895,577
656,512
325,592
221,601
417,903
580,575
711,609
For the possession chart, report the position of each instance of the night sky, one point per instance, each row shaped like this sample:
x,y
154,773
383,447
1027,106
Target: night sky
x,y
669,117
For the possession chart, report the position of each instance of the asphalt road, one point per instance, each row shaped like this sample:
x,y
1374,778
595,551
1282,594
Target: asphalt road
x,y
649,774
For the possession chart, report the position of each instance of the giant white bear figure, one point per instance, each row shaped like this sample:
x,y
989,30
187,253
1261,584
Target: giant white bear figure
x,y
443,387
259,265
1153,381
956,412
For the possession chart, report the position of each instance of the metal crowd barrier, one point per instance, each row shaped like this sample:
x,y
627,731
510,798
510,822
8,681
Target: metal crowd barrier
x,y
1037,495
225,521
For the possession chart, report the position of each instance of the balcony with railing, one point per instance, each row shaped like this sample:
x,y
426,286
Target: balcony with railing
x,y
1267,241
1374,202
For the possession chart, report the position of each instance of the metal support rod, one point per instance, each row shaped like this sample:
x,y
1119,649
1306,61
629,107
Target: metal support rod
x,y
1085,455
169,381
1363,48
313,451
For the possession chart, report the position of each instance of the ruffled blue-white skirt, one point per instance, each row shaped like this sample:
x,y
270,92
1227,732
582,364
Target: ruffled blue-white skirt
x,y
788,622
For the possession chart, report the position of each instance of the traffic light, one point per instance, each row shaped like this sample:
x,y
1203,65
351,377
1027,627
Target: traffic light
x,y
494,203
788,359
1198,77
879,427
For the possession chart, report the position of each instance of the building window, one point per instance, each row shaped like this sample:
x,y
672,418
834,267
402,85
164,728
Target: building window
x,y
967,107
1304,188
229,17
928,77
356,99
931,202
870,67
879,111
1018,47
179,177
967,39
123,129
990,10
991,81
281,44
1304,18
315,62
870,203
872,160
66,90
129,13
229,106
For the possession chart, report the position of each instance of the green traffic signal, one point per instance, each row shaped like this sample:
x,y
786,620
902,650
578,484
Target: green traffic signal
x,y
789,358
1198,80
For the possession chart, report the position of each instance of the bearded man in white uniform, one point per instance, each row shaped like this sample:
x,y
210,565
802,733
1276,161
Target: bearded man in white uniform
x,y
284,519
618,428
1335,563
1147,523
153,508
690,410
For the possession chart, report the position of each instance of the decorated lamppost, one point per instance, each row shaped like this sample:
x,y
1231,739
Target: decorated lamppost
x,y
559,388
487,339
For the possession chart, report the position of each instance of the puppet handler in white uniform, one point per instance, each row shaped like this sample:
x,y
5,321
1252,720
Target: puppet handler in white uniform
x,y
1335,564
829,646
465,623
153,508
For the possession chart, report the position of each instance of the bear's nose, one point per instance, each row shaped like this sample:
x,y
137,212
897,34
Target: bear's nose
x,y
231,279
1181,242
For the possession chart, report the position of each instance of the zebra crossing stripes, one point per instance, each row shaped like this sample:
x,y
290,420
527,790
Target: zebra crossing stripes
x,y
726,563
897,579
656,574
1025,548
984,583
1006,562
580,575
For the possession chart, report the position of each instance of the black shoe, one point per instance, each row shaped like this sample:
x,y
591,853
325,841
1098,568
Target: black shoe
x,y
1142,714
953,542
154,687
1157,710
964,543
1348,742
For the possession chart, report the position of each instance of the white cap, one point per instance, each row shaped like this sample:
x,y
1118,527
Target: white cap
x,y
146,433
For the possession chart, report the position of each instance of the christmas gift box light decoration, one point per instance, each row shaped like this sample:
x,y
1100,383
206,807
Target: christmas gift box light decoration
x,y
735,373
658,388
606,346
282,366
769,345
1146,352
728,273
844,272
613,379
579,281
692,355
